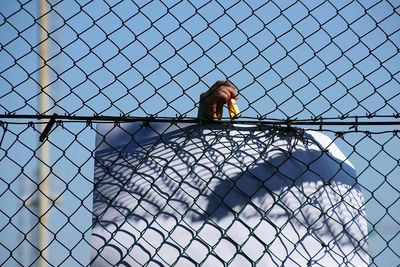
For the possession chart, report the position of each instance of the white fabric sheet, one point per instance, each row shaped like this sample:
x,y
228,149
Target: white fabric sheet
x,y
205,195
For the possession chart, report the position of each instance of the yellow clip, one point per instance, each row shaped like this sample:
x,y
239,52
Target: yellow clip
x,y
233,109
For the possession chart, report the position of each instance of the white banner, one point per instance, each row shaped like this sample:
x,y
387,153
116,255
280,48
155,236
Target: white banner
x,y
204,195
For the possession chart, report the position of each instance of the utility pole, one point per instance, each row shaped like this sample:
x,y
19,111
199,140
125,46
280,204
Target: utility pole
x,y
43,148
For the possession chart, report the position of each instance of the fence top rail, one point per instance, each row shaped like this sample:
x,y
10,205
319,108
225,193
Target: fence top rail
x,y
340,120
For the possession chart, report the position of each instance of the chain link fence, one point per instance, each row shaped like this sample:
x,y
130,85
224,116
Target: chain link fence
x,y
104,163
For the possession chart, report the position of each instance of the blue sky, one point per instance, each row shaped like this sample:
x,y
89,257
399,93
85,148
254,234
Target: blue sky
x,y
282,54
296,59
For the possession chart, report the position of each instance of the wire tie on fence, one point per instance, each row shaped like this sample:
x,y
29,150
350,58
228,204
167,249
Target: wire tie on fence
x,y
259,126
355,125
339,134
288,123
370,115
146,121
60,123
178,118
48,127
261,117
89,123
321,121
123,117
315,118
344,116
4,124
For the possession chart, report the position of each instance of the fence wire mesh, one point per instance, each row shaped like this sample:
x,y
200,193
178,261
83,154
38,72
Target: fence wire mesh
x,y
126,175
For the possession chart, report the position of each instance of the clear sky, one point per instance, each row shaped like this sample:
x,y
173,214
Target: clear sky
x,y
287,59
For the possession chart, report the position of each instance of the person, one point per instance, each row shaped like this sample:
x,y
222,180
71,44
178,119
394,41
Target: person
x,y
339,224
213,100
192,194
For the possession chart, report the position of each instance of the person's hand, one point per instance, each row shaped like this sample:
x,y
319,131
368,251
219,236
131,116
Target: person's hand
x,y
212,101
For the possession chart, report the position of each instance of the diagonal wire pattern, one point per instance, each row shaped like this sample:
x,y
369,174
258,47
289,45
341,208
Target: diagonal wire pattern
x,y
95,68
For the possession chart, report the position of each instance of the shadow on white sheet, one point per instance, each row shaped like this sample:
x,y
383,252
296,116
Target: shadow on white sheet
x,y
209,196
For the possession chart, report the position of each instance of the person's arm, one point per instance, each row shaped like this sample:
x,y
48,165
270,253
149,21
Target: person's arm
x,y
213,100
